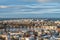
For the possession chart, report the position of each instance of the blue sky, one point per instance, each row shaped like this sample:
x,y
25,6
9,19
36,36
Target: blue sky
x,y
30,8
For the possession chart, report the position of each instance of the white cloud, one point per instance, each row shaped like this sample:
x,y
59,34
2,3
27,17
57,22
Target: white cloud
x,y
4,6
43,0
28,0
32,9
37,9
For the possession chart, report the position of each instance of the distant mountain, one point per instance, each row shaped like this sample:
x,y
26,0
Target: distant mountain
x,y
45,15
49,16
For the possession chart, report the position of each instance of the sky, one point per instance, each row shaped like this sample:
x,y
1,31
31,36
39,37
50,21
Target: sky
x,y
29,8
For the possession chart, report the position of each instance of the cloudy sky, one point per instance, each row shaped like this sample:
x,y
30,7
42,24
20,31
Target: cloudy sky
x,y
30,8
